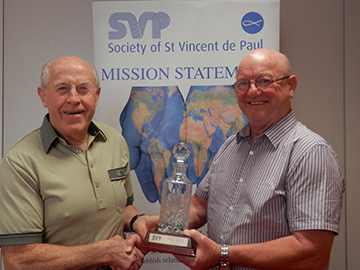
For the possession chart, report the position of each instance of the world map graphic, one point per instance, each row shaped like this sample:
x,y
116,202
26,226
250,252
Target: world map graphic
x,y
156,118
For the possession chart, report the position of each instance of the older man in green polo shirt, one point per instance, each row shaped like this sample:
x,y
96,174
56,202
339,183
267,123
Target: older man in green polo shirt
x,y
65,190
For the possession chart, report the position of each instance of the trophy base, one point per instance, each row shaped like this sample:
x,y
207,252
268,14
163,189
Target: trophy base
x,y
169,243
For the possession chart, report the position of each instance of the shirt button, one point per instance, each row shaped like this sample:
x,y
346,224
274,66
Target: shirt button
x,y
241,180
78,151
231,208
251,153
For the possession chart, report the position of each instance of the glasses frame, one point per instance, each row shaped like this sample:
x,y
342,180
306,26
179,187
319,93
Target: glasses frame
x,y
254,82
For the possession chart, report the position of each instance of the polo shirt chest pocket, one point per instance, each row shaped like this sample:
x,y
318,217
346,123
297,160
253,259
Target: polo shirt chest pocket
x,y
118,178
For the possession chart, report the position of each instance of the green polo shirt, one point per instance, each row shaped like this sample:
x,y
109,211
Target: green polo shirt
x,y
51,192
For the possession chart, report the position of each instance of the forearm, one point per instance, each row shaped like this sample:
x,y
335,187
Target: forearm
x,y
291,252
302,250
47,256
116,252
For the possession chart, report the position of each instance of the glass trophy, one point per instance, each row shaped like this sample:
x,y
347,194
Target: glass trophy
x,y
174,211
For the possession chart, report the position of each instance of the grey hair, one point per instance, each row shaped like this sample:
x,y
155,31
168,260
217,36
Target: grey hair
x,y
45,74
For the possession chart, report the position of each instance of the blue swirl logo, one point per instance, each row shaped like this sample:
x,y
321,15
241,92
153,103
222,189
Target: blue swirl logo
x,y
252,22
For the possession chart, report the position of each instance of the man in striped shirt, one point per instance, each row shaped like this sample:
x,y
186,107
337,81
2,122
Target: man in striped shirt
x,y
273,195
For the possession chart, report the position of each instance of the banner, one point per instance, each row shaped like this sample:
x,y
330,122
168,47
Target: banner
x,y
167,68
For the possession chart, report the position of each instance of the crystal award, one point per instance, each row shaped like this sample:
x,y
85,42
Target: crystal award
x,y
174,211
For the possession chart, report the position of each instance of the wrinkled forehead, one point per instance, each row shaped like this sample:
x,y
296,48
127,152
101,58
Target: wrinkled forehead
x,y
69,65
71,70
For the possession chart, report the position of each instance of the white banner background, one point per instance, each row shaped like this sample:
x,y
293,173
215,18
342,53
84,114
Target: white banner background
x,y
146,53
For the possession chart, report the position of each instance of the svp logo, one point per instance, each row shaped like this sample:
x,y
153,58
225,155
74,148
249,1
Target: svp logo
x,y
159,20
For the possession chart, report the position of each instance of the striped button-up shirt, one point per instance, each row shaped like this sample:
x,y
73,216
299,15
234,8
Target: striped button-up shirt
x,y
287,179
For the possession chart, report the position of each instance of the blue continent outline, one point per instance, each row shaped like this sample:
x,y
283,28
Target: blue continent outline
x,y
151,141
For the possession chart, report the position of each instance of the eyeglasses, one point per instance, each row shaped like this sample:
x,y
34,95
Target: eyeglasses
x,y
262,84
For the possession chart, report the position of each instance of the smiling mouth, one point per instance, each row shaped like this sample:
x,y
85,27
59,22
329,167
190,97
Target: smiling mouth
x,y
257,103
73,113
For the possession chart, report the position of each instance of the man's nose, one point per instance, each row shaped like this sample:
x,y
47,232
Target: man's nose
x,y
73,95
253,90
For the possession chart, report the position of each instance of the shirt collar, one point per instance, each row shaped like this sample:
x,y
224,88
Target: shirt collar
x,y
49,134
275,133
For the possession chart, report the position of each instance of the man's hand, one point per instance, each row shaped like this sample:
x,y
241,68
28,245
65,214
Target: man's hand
x,y
124,254
129,256
207,252
145,224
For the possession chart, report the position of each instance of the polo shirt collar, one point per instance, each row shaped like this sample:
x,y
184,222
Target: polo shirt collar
x,y
275,133
49,134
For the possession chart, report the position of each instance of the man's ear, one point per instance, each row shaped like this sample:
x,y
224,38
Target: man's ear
x,y
97,95
293,84
42,95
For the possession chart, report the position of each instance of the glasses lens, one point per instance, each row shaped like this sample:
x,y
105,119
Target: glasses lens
x,y
264,83
242,85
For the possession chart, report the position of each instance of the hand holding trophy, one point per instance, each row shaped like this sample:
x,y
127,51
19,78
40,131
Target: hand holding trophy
x,y
174,211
